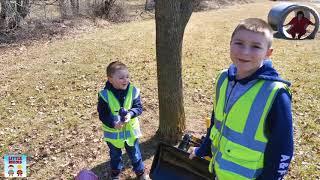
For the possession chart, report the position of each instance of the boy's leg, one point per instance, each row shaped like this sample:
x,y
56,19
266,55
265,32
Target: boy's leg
x,y
135,157
115,160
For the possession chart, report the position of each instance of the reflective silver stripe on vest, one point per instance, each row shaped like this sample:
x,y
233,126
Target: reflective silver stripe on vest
x,y
257,108
213,149
222,77
104,95
217,124
243,140
110,135
122,135
247,138
135,93
233,167
137,132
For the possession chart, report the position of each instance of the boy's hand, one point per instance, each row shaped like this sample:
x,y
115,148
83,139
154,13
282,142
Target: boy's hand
x,y
127,118
118,125
192,151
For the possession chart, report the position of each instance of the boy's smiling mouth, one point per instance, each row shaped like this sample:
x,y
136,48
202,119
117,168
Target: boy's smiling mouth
x,y
243,60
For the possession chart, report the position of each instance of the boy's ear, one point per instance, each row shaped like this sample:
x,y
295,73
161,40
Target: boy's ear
x,y
269,52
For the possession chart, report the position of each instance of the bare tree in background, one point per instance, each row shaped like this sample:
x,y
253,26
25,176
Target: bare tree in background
x,y
75,7
12,12
3,9
15,13
22,7
108,4
172,17
63,9
3,13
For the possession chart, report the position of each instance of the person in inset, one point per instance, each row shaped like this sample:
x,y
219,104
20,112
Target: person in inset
x,y
19,171
121,132
11,170
298,25
250,136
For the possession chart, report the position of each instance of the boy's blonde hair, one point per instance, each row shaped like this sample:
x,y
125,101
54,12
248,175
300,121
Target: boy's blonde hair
x,y
115,66
255,25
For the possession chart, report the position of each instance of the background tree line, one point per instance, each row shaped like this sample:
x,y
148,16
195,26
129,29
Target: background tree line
x,y
15,12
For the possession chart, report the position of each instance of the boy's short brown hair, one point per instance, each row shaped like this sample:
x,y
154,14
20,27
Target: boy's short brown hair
x,y
115,66
255,25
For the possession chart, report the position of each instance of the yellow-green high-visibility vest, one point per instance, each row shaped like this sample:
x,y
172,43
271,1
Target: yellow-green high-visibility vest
x,y
238,136
131,131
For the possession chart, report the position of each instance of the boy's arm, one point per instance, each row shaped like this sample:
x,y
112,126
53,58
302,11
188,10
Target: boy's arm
x,y
204,149
136,108
105,113
279,149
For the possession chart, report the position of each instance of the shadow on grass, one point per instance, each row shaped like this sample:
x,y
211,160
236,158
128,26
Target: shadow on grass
x,y
148,149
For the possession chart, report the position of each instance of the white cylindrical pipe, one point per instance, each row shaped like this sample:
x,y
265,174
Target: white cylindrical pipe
x,y
276,12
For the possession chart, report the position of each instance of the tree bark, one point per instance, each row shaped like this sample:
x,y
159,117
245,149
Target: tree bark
x,y
172,17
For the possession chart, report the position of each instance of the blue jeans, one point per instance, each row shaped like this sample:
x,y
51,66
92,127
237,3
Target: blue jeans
x,y
134,155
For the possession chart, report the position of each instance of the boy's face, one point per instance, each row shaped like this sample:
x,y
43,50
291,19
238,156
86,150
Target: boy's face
x,y
247,51
120,79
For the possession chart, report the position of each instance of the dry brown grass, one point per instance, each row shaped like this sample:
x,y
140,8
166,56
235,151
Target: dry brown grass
x,y
49,90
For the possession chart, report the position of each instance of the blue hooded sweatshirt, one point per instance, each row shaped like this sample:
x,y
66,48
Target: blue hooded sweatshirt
x,y
278,127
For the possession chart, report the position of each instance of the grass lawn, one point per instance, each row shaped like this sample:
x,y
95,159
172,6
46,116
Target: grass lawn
x,y
49,90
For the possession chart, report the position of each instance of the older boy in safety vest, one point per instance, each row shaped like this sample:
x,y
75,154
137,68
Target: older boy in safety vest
x,y
121,132
250,136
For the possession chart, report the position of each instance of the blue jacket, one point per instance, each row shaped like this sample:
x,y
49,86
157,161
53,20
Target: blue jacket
x,y
279,149
105,114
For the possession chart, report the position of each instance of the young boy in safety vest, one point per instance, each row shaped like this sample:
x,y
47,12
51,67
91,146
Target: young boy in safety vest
x,y
121,132
250,136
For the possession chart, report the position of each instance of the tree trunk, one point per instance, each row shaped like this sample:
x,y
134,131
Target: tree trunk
x,y
23,7
172,17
